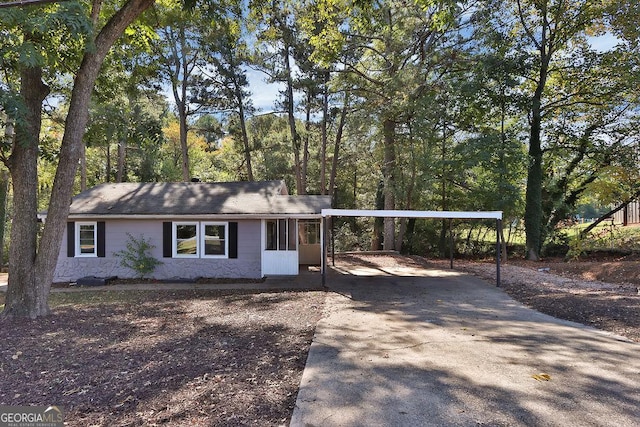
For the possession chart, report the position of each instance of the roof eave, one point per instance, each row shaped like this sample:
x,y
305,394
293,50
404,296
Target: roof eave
x,y
193,216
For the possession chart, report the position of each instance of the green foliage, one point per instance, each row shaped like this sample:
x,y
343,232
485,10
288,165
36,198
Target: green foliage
x,y
456,79
607,236
137,256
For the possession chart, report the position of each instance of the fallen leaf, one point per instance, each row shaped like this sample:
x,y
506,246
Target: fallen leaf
x,y
541,377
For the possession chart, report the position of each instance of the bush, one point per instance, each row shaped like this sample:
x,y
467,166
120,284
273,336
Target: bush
x,y
137,256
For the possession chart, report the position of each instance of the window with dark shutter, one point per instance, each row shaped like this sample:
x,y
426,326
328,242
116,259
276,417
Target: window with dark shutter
x,y
167,239
233,240
71,239
101,239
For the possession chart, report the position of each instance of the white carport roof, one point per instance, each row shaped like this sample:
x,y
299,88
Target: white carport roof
x,y
413,214
497,215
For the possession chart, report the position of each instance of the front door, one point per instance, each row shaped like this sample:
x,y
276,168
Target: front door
x,y
309,242
279,247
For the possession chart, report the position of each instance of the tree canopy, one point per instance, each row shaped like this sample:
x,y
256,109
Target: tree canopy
x,y
483,105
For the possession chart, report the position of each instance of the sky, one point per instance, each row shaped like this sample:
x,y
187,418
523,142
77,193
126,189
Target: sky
x,y
263,94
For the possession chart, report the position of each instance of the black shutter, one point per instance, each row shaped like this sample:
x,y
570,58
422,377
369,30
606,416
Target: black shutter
x,y
101,239
233,240
167,231
71,239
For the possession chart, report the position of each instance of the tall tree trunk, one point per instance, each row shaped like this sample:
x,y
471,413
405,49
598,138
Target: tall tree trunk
x,y
408,203
533,198
243,130
122,158
31,274
378,223
442,243
305,148
108,165
389,170
295,138
4,190
184,146
24,298
323,144
179,87
336,147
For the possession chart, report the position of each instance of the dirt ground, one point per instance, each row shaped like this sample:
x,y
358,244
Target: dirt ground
x,y
203,358
170,358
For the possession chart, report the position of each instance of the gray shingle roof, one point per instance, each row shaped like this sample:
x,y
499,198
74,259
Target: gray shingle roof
x,y
194,198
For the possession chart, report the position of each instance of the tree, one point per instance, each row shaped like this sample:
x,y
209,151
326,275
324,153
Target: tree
x,y
389,52
277,34
547,28
32,265
223,86
179,51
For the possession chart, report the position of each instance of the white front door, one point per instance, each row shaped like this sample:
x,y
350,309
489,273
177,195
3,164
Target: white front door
x,y
279,247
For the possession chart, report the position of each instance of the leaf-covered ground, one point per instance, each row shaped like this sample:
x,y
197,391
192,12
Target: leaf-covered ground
x,y
236,358
172,358
600,292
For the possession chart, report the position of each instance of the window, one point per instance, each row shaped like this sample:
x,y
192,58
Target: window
x,y
309,233
86,239
185,239
280,234
214,239
272,235
200,240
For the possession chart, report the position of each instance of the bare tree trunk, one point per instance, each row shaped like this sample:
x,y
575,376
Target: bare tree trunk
x,y
378,223
389,169
295,138
305,148
243,129
336,147
122,157
442,246
178,65
533,196
108,165
184,146
323,145
24,298
4,190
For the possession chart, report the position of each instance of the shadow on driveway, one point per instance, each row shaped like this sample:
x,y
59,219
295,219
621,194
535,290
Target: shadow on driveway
x,y
434,348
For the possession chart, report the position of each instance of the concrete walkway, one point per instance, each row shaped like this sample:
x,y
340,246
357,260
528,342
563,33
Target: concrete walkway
x,y
447,349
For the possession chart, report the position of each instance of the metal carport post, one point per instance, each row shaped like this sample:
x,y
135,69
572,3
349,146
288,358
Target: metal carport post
x,y
328,213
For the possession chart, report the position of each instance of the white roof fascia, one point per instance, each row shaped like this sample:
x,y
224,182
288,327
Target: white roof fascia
x,y
412,214
195,216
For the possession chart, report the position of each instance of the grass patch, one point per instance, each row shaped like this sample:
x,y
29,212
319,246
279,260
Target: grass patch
x,y
58,299
89,298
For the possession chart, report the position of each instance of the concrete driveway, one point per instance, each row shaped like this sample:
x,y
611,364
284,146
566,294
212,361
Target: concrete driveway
x,y
446,349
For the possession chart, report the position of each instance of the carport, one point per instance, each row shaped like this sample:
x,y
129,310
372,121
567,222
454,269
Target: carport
x,y
329,213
